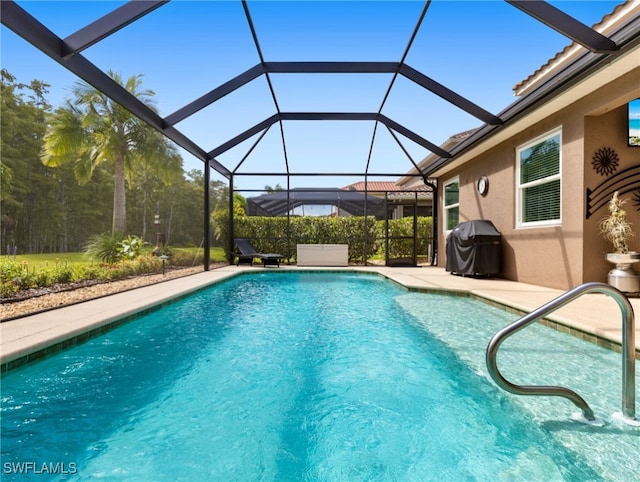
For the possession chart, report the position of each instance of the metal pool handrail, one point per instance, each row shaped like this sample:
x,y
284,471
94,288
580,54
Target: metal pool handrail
x,y
628,350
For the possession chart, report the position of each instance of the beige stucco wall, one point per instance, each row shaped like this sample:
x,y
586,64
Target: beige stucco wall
x,y
562,256
606,126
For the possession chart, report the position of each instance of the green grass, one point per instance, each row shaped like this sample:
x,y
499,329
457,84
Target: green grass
x,y
52,259
48,259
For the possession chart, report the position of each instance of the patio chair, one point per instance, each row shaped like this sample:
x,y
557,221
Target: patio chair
x,y
247,253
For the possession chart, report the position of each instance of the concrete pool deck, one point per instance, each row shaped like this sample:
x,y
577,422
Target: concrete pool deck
x,y
593,317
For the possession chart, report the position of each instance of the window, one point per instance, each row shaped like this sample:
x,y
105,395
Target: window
x,y
538,181
451,204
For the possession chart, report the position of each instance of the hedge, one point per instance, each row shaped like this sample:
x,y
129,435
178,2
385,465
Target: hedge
x,y
364,236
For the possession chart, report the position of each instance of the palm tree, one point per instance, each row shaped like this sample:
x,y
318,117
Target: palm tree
x,y
92,129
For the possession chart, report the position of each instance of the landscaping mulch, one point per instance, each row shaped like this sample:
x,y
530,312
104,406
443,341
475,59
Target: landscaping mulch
x,y
33,301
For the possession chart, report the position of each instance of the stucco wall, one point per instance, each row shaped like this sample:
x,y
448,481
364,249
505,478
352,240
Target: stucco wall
x,y
562,256
606,127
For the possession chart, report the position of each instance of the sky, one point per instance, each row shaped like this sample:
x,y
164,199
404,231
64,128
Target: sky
x,y
479,49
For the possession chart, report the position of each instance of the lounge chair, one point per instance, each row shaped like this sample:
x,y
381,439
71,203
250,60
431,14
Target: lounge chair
x,y
247,253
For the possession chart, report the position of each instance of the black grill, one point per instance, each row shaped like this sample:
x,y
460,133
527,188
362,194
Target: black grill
x,y
473,248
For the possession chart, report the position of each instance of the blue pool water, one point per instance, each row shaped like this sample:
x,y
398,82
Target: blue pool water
x,y
318,377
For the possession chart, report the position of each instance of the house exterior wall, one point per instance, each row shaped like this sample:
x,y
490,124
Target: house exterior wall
x,y
569,254
606,126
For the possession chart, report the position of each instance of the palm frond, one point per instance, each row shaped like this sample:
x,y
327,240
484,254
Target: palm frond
x,y
64,139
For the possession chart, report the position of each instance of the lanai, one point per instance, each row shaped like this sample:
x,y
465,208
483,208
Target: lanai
x,y
68,51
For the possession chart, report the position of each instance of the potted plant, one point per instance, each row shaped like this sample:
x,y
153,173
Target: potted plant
x,y
616,229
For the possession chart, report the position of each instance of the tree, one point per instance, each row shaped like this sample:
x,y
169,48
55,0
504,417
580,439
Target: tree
x,y
92,129
148,185
27,220
270,189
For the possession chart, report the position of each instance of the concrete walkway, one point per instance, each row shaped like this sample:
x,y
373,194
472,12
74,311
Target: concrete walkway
x,y
594,317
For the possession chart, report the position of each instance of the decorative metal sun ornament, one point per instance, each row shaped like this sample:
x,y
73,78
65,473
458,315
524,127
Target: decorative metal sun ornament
x,y
605,161
636,199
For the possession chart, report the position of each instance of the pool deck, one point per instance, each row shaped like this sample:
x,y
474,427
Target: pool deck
x,y
593,317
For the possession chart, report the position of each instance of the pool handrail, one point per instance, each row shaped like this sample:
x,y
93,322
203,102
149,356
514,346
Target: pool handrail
x,y
628,350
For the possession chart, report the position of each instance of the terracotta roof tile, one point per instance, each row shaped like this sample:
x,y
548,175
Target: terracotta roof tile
x,y
560,54
372,186
384,186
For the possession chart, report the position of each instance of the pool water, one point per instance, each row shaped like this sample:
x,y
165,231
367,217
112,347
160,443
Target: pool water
x,y
314,376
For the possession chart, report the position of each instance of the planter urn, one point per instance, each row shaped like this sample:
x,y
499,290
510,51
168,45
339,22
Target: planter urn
x,y
623,277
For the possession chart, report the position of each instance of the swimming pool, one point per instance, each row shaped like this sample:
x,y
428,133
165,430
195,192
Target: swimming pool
x,y
314,376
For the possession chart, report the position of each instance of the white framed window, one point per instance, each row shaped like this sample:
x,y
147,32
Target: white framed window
x,y
451,205
538,181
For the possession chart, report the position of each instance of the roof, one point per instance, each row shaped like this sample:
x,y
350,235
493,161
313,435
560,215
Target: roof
x,y
461,135
407,182
279,203
225,155
372,186
563,82
604,26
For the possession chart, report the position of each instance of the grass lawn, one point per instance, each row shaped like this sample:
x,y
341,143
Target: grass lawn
x,y
47,259
52,259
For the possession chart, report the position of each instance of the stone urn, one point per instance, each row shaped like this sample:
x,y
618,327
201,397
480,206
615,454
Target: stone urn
x,y
623,276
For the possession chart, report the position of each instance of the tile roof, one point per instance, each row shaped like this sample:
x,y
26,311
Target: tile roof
x,y
390,187
372,186
564,52
463,134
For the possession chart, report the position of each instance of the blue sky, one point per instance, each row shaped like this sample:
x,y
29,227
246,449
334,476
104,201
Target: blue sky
x,y
480,49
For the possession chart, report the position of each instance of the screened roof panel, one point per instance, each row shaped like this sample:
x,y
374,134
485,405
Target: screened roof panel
x,y
183,56
389,156
482,70
230,116
508,48
192,51
424,112
589,16
330,92
259,153
65,17
334,31
321,139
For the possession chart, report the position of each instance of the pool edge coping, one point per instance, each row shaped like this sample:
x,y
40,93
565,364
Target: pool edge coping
x,y
38,350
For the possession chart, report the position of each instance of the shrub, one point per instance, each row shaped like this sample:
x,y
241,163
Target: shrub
x,y
132,247
15,277
186,257
280,235
63,273
363,235
401,248
89,272
126,268
110,249
104,248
